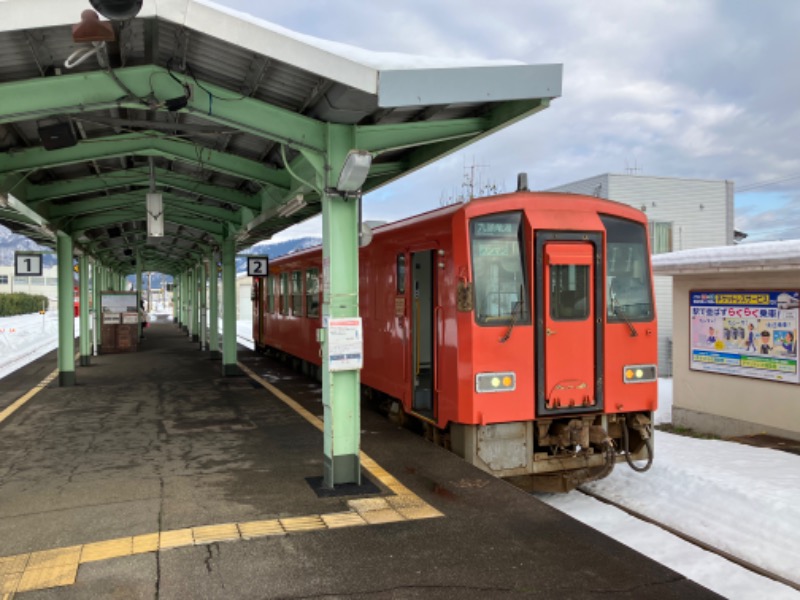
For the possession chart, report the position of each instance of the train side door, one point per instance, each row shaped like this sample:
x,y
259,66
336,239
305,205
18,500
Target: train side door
x,y
423,334
569,317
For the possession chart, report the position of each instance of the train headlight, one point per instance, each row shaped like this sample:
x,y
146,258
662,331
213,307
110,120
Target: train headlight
x,y
639,373
495,382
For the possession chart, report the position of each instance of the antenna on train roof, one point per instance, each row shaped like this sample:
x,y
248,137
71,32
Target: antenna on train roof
x,y
522,182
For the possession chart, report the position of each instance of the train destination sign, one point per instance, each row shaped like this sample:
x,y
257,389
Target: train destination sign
x,y
750,334
27,264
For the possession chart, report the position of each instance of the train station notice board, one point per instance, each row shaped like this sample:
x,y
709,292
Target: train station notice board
x,y
119,322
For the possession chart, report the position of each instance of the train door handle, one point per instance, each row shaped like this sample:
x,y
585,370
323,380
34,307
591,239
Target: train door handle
x,y
549,331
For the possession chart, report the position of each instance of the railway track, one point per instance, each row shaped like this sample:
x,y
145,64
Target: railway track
x,y
693,540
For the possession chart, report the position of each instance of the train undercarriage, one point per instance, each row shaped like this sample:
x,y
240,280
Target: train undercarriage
x,y
547,455
553,455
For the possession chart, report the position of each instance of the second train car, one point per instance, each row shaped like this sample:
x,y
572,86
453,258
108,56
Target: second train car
x,y
520,329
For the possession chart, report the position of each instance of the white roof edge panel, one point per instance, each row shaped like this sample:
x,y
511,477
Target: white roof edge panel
x,y
355,67
423,87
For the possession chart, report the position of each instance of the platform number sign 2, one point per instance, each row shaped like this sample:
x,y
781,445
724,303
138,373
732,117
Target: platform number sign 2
x,y
27,265
258,266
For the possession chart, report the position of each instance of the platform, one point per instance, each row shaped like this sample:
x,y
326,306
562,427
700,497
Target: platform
x,y
155,477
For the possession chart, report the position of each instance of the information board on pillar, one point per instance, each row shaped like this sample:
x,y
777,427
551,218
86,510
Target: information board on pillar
x,y
345,344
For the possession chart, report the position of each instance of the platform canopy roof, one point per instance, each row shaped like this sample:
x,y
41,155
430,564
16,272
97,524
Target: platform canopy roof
x,y
231,119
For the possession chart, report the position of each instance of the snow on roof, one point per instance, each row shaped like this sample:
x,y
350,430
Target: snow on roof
x,y
761,256
376,60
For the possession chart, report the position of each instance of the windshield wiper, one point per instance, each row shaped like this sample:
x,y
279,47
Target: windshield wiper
x,y
621,314
514,313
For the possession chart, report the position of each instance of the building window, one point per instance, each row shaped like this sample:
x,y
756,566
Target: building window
x,y
297,293
660,236
312,292
3,279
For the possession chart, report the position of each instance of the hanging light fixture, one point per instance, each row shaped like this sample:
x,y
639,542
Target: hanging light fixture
x,y
117,10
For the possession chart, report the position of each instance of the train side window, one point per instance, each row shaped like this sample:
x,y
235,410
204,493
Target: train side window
x,y
401,274
284,293
312,292
297,293
271,294
569,292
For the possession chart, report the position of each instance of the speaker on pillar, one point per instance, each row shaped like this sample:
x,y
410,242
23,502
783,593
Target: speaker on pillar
x,y
117,10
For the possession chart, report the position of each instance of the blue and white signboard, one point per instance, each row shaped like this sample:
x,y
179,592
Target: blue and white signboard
x,y
747,333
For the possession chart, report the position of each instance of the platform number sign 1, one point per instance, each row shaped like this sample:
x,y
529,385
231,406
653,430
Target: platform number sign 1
x,y
258,266
27,264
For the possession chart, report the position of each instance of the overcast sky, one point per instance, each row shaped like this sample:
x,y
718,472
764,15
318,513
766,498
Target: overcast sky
x,y
678,88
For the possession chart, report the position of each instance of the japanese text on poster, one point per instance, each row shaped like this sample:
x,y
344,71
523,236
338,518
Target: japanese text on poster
x,y
750,334
345,344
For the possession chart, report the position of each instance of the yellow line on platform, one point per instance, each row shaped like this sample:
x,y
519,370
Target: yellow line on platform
x,y
10,410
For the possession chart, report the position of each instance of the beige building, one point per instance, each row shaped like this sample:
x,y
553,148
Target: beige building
x,y
735,313
46,285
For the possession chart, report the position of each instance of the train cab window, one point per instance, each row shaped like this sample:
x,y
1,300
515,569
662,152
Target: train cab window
x,y
569,292
628,290
284,293
297,293
401,273
501,287
312,293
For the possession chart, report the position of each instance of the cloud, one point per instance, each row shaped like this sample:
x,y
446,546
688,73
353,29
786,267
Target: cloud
x,y
699,89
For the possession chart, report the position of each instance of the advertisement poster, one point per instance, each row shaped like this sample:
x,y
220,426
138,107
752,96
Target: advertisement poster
x,y
750,334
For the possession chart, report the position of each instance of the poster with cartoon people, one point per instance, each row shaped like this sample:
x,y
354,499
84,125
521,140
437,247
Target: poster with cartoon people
x,y
750,333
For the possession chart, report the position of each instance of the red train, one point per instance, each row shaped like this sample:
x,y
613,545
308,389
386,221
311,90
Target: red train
x,y
520,329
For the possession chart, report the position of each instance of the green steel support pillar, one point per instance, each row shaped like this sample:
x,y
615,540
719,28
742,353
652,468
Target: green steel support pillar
x,y
195,315
213,292
177,299
203,305
184,302
97,287
229,366
139,295
66,312
85,315
174,298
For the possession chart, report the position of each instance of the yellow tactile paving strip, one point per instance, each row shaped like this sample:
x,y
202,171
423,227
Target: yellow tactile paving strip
x,y
59,566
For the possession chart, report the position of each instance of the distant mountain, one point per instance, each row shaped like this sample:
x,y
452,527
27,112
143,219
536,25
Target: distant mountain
x,y
275,249
11,242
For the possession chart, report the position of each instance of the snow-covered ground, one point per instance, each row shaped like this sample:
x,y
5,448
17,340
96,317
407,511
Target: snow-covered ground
x,y
741,499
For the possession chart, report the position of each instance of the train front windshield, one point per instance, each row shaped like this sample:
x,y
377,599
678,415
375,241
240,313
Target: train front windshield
x,y
628,294
498,269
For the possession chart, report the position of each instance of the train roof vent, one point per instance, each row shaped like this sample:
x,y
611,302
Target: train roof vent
x,y
522,182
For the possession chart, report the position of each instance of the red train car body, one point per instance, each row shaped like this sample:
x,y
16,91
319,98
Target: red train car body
x,y
520,328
